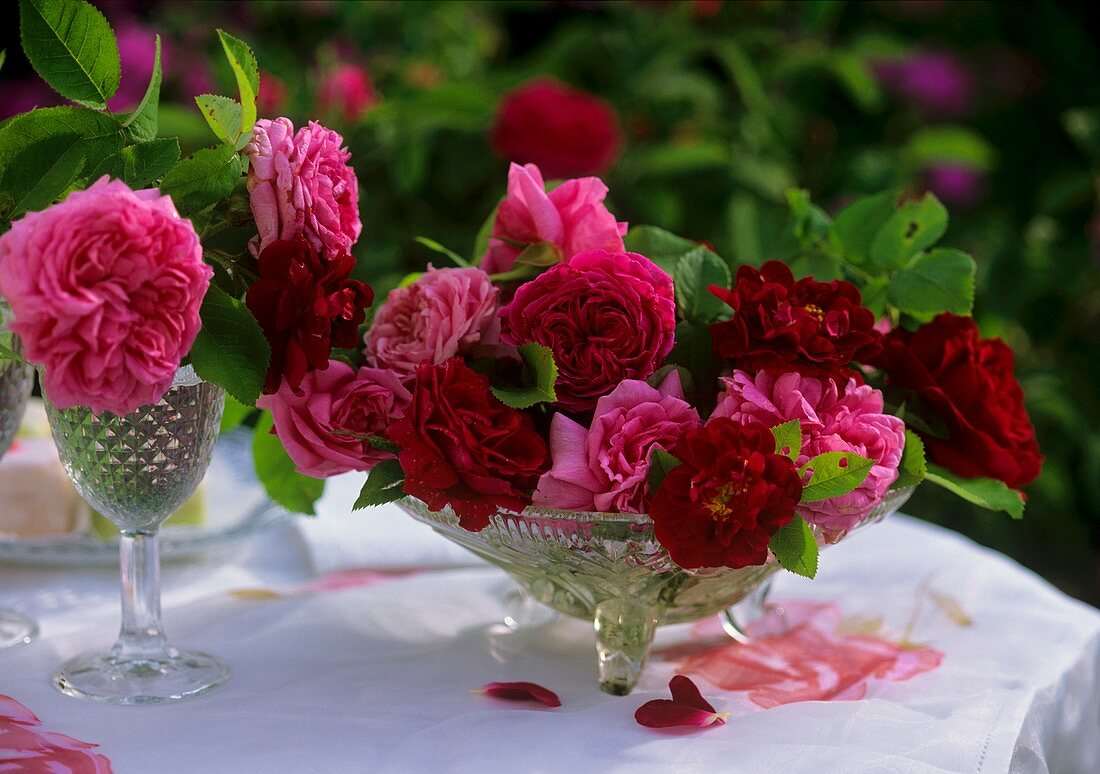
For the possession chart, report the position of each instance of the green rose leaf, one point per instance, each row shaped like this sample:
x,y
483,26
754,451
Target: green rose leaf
x,y
855,226
234,414
662,247
231,350
436,247
938,281
6,353
788,439
70,44
484,234
203,179
912,469
383,485
223,115
693,350
142,123
915,226
835,473
660,463
543,371
247,72
696,271
986,493
276,471
540,255
795,548
142,164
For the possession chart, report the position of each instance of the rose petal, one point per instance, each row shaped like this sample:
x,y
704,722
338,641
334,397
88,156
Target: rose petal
x,y
684,691
522,692
666,713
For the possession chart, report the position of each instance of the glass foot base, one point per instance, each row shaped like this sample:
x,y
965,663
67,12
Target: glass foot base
x,y
16,629
168,676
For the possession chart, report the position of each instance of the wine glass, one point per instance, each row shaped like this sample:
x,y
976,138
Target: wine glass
x,y
136,470
16,380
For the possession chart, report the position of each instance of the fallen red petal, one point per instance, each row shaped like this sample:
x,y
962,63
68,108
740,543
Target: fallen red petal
x,y
522,692
666,713
684,691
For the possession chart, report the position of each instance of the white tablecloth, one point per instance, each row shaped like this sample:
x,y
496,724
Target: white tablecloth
x,y
359,671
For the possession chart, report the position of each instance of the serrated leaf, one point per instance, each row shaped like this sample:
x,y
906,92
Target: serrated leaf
x,y
247,73
56,161
434,246
70,44
986,493
205,178
141,125
662,247
796,548
276,471
855,226
939,281
915,226
543,372
834,473
234,414
141,164
788,439
223,115
660,463
383,485
696,271
912,468
231,350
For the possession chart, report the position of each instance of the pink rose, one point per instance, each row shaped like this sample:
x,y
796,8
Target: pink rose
x,y
346,91
572,217
446,312
832,420
106,288
322,428
605,467
606,316
302,184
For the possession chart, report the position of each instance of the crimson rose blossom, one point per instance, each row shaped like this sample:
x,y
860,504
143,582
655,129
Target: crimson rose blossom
x,y
721,507
779,325
966,381
306,307
606,317
565,131
462,447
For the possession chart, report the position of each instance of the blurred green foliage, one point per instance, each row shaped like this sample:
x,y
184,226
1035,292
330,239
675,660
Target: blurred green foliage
x,y
726,106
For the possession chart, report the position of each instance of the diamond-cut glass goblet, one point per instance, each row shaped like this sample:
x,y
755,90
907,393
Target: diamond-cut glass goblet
x,y
136,470
16,380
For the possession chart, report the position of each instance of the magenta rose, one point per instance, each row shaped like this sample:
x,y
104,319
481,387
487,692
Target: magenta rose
x,y
605,467
302,184
446,312
106,288
833,418
324,428
572,218
606,316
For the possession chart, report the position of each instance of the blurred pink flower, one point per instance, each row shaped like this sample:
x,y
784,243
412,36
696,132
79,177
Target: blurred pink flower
x,y
302,184
850,420
572,218
957,185
24,95
939,83
137,53
322,424
346,91
273,94
446,312
106,288
605,467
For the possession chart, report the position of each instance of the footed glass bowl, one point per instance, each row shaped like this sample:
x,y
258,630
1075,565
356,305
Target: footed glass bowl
x,y
609,568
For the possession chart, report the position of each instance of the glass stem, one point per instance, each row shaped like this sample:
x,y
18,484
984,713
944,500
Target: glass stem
x,y
142,634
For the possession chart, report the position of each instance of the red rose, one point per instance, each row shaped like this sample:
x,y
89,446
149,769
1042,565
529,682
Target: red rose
x,y
565,131
306,306
606,316
967,382
462,447
721,507
780,325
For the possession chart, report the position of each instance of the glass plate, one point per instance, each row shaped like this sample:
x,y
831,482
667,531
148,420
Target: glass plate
x,y
237,506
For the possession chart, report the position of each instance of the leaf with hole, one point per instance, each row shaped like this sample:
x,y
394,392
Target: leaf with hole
x,y
788,439
835,473
915,226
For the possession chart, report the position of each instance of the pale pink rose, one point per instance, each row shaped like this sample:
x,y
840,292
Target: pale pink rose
x,y
322,426
302,184
572,217
605,467
851,420
106,288
446,312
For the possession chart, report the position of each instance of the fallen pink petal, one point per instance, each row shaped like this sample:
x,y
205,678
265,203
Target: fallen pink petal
x,y
521,691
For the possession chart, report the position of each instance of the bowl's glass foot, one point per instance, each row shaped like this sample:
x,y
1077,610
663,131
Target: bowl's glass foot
x,y
15,629
624,632
737,619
